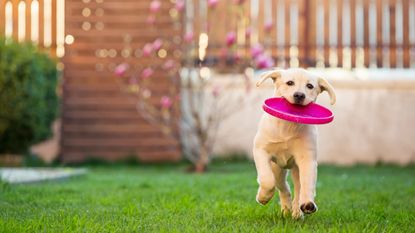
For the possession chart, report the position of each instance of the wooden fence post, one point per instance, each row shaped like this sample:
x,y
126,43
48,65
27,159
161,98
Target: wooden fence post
x,y
340,33
2,16
366,45
406,44
379,44
302,33
392,45
311,30
15,7
28,12
353,32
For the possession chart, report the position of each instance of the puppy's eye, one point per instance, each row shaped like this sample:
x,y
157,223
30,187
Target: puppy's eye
x,y
310,86
290,83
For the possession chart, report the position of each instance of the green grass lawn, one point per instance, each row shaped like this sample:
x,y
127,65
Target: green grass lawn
x,y
166,199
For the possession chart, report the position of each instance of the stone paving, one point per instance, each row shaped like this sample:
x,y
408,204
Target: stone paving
x,y
30,175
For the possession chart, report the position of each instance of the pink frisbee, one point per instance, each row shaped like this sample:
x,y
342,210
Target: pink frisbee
x,y
309,114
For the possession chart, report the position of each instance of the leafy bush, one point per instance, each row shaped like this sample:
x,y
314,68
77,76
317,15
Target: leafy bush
x,y
28,100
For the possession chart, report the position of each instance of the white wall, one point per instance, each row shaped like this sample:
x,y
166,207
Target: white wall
x,y
374,121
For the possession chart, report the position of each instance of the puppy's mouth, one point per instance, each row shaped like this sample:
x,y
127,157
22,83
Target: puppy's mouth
x,y
301,102
298,103
294,102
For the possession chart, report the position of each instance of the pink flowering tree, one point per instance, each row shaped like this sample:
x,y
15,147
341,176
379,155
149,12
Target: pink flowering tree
x,y
197,102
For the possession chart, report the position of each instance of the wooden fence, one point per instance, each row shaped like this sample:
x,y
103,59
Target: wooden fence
x,y
98,119
322,33
39,21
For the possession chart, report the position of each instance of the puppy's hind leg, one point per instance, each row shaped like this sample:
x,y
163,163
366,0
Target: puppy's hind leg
x,y
265,178
283,188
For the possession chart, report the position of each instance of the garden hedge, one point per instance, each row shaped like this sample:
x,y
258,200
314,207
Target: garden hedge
x,y
28,99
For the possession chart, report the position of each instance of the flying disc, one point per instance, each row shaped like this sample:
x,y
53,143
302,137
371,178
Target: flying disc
x,y
309,114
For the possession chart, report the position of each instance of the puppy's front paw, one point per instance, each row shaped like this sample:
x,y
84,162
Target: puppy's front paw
x,y
285,212
308,208
262,200
297,214
264,196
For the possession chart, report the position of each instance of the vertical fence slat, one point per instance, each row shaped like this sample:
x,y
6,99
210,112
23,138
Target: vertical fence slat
x,y
287,35
53,32
392,46
2,17
406,46
379,44
261,21
326,32
247,13
28,19
353,32
280,22
212,29
253,15
339,33
307,32
311,34
41,21
221,13
302,32
233,22
366,45
15,7
412,34
273,32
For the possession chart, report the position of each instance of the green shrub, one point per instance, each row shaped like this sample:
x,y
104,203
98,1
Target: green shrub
x,y
28,100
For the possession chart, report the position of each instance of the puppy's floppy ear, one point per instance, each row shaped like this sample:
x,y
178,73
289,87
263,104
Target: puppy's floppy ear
x,y
325,86
274,74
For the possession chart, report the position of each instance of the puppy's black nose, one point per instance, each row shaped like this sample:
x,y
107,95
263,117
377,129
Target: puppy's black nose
x,y
299,97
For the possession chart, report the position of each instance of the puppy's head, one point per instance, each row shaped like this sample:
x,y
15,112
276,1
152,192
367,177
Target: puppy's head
x,y
298,86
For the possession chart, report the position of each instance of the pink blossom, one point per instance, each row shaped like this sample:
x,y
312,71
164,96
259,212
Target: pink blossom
x,y
147,72
212,3
157,44
248,32
180,4
169,64
264,61
151,19
155,6
121,69
166,102
148,49
256,50
188,37
268,26
230,38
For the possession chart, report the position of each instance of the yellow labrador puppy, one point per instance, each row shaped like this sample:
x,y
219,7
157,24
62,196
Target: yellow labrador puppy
x,y
280,145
